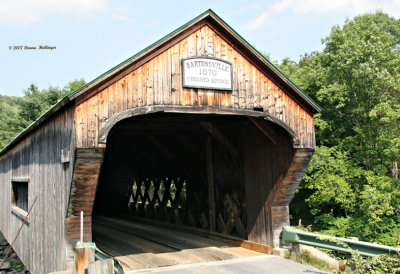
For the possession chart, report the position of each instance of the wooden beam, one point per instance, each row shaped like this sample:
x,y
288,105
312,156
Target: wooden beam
x,y
116,160
161,147
192,147
84,181
196,110
210,179
263,129
283,192
83,257
220,137
123,157
224,141
136,148
165,126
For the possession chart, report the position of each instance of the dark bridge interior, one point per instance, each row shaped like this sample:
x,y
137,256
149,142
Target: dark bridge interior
x,y
157,167
193,170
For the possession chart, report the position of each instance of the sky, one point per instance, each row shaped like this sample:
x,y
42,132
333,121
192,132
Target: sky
x,y
85,38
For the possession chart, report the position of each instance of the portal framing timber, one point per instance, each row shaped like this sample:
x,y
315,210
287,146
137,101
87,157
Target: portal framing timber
x,y
103,134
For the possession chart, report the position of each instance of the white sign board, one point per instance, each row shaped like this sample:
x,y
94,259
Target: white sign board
x,y
206,73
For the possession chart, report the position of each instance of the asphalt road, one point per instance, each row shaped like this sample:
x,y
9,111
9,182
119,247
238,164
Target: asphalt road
x,y
262,264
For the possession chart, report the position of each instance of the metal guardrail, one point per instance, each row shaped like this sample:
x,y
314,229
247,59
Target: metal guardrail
x,y
295,236
101,256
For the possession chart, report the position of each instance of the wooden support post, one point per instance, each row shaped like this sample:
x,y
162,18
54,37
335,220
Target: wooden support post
x,y
294,251
167,152
220,137
80,260
210,179
83,257
81,228
263,129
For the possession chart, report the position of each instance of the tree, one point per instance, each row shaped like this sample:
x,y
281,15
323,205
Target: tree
x,y
16,113
8,118
352,181
36,102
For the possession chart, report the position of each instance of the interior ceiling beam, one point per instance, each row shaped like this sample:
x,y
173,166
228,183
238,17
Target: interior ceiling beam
x,y
154,132
121,154
162,147
217,134
266,130
188,144
168,127
133,145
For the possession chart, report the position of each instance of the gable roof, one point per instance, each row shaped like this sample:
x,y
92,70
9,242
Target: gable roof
x,y
209,16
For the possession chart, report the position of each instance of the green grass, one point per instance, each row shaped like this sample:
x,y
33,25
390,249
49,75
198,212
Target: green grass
x,y
305,258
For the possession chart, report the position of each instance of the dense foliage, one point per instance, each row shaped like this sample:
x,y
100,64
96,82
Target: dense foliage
x,y
8,118
351,187
16,113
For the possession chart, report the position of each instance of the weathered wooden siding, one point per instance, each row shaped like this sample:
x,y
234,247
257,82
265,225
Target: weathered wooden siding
x,y
284,190
158,82
265,167
41,244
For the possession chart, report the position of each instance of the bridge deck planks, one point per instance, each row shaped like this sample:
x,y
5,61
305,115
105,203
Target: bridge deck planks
x,y
140,246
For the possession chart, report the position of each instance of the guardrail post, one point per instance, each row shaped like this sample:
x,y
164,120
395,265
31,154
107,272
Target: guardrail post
x,y
83,257
294,251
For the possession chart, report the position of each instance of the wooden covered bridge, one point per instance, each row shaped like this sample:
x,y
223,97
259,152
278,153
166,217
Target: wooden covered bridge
x,y
197,133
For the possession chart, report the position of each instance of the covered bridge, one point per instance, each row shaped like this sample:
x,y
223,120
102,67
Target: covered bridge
x,y
199,130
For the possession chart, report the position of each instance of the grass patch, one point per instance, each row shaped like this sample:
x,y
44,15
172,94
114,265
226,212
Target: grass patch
x,y
307,259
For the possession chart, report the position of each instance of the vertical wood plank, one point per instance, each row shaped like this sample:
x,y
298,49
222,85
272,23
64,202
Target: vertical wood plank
x,y
225,95
242,83
175,75
150,83
103,109
83,124
183,53
111,100
121,94
236,84
135,91
92,121
200,51
131,90
142,85
210,42
192,51
78,122
167,77
156,80
218,54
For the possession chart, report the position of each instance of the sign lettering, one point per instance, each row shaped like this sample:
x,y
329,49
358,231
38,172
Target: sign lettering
x,y
206,73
